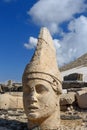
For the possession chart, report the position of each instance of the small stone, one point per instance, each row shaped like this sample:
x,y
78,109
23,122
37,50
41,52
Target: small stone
x,y
68,108
83,124
2,116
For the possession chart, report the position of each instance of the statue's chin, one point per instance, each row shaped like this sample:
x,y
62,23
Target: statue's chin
x,y
33,116
36,116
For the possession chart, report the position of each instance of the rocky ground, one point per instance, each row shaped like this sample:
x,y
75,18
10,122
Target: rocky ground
x,y
72,119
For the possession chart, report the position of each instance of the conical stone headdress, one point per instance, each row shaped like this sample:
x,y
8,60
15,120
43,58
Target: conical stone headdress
x,y
43,64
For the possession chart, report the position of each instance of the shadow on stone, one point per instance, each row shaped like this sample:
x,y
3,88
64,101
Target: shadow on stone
x,y
12,124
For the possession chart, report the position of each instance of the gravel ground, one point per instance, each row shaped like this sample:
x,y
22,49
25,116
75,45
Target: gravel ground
x,y
16,120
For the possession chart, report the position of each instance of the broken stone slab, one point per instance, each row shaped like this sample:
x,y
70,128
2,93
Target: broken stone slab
x,y
16,93
4,101
73,84
8,101
74,77
81,97
67,99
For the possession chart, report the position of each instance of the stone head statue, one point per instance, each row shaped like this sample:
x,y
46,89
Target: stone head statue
x,y
42,86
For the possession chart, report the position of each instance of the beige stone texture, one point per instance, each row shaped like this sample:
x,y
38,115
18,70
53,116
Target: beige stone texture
x,y
4,101
67,99
42,85
81,97
9,101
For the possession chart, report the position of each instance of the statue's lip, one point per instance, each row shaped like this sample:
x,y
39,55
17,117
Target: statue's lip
x,y
32,107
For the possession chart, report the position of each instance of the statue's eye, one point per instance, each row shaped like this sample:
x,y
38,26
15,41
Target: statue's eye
x,y
27,89
40,88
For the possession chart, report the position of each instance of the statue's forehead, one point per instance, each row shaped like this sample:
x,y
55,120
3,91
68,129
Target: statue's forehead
x,y
37,81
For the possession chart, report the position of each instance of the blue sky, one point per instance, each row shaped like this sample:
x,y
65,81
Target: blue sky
x,y
20,23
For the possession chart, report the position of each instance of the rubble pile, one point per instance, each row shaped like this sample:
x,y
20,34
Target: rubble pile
x,y
10,87
12,119
76,92
15,119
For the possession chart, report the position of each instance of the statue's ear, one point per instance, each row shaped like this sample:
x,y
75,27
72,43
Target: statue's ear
x,y
57,86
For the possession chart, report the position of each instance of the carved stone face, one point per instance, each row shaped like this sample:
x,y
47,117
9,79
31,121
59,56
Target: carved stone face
x,y
39,99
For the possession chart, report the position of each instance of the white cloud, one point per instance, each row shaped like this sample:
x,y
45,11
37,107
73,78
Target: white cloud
x,y
74,43
31,43
51,13
56,43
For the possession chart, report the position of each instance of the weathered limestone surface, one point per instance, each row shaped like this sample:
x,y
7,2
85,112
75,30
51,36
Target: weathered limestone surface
x,y
11,101
67,99
42,86
4,101
81,97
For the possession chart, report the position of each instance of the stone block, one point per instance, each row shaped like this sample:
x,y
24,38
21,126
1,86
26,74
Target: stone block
x,y
67,99
81,97
8,101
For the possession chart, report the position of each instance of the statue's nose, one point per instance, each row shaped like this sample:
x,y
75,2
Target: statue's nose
x,y
33,96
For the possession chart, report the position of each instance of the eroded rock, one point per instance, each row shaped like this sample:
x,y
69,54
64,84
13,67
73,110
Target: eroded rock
x,y
81,97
